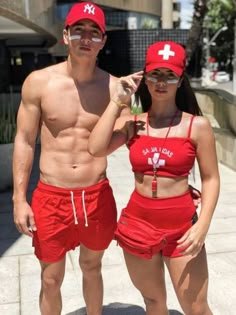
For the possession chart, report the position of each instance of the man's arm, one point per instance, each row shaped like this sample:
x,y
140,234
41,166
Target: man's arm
x,y
28,120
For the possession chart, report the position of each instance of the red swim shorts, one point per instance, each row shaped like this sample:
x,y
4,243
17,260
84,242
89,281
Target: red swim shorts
x,y
171,217
67,217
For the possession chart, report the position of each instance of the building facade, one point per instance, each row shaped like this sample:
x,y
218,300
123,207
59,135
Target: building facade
x,y
31,30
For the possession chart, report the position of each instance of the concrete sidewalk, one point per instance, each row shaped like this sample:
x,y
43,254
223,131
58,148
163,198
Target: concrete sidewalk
x,y
20,271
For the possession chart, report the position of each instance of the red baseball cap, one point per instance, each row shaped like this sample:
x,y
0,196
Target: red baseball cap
x,y
166,54
86,10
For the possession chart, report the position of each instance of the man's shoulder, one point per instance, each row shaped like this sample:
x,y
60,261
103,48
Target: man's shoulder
x,y
106,80
40,79
55,69
106,74
47,73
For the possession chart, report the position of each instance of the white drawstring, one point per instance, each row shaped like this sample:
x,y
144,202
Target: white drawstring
x,y
73,206
84,208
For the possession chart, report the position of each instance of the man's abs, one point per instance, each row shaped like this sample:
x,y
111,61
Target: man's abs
x,y
69,171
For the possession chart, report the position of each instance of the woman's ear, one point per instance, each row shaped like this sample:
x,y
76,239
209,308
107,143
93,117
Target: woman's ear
x,y
180,82
144,80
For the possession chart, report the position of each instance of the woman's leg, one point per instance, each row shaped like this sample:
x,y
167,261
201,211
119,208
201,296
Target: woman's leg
x,y
148,277
189,276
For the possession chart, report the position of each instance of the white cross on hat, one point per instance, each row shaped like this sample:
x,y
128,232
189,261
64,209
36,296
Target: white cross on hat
x,y
166,52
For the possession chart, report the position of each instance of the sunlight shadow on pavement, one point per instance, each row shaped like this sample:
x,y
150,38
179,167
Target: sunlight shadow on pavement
x,y
121,309
8,231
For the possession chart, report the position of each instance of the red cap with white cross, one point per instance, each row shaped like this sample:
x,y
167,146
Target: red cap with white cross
x,y
166,54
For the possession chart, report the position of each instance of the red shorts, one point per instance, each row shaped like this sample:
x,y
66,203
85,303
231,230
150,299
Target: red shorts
x,y
175,214
67,217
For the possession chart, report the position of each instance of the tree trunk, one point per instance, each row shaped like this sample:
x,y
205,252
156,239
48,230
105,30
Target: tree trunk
x,y
200,10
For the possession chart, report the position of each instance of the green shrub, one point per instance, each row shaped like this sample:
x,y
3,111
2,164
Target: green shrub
x,y
136,110
7,123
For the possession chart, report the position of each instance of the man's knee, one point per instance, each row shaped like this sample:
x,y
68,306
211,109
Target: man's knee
x,y
91,265
52,276
51,283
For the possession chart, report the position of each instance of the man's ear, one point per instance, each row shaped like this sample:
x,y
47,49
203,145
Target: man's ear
x,y
104,40
65,36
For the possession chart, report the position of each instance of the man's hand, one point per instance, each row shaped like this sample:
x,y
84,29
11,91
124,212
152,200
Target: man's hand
x,y
24,218
196,195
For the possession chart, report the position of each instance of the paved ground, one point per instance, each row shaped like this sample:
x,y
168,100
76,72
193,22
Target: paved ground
x,y
19,269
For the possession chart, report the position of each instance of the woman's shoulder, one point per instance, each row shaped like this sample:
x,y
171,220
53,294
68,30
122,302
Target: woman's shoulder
x,y
133,117
201,129
201,122
129,120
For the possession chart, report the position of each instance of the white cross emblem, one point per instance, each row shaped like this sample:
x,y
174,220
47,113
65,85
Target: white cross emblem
x,y
155,161
166,52
90,9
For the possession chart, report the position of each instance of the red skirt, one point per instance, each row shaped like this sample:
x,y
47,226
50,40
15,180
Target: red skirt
x,y
145,220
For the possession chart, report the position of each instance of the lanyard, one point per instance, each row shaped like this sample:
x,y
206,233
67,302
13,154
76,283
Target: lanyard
x,y
156,162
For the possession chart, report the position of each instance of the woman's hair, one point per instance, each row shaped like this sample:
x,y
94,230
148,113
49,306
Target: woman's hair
x,y
185,98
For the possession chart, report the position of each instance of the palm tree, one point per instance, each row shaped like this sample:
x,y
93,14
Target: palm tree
x,y
229,4
195,32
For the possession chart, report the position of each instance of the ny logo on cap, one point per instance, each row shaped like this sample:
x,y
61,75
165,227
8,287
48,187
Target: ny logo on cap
x,y
90,9
166,52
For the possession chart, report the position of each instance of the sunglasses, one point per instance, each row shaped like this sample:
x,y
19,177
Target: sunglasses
x,y
78,37
168,78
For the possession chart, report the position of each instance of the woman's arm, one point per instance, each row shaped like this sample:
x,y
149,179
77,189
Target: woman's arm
x,y
108,134
110,131
208,166
203,136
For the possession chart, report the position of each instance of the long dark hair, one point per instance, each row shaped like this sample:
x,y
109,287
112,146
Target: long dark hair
x,y
185,98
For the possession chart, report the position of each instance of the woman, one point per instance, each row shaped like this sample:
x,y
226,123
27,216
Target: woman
x,y
160,224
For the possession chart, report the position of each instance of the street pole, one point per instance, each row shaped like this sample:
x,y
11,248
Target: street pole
x,y
207,56
207,78
234,60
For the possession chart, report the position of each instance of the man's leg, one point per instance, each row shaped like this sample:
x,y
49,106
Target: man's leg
x,y
91,262
52,276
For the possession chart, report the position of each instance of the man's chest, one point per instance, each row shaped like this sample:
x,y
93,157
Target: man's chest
x,y
65,110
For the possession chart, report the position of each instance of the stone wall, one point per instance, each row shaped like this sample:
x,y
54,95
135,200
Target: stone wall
x,y
222,114
33,14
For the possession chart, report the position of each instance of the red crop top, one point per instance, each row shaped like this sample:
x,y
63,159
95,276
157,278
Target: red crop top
x,y
175,160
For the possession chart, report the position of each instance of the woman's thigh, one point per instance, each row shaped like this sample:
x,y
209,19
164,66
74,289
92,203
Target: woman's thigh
x,y
147,275
189,276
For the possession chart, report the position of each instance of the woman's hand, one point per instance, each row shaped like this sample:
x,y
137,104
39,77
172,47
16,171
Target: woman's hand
x,y
126,86
193,240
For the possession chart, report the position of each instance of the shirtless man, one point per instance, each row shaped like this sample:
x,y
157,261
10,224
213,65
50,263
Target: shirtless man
x,y
73,203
